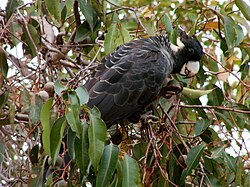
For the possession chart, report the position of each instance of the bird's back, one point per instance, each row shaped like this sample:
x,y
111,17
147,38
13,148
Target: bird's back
x,y
130,78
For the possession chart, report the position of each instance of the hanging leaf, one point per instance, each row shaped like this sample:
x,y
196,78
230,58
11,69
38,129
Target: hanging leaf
x,y
54,9
3,65
88,12
168,24
107,165
229,31
244,8
82,94
56,138
130,172
11,7
59,88
45,121
31,39
239,34
193,158
72,113
97,136
82,150
112,35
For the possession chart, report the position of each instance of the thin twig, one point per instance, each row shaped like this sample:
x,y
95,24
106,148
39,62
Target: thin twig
x,y
242,82
216,107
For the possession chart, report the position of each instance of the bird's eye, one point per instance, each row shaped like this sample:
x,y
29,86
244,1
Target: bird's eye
x,y
191,51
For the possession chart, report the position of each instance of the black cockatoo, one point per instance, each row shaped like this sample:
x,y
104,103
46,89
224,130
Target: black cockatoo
x,y
129,79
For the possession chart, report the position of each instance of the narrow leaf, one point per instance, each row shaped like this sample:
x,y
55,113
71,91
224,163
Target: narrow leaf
x,y
97,135
56,138
230,162
244,8
72,113
239,34
88,12
229,31
82,94
45,121
32,42
3,63
53,7
130,172
192,161
108,165
110,38
3,99
82,147
11,7
168,23
194,94
71,138
59,88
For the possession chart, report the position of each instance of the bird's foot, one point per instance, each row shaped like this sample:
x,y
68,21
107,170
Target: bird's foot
x,y
173,87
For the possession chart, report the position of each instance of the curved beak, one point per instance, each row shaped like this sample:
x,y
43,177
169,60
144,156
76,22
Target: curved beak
x,y
190,69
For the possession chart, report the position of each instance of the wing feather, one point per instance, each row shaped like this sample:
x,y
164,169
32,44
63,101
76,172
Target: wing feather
x,y
127,80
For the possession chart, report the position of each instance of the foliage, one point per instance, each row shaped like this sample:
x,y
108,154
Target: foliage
x,y
49,48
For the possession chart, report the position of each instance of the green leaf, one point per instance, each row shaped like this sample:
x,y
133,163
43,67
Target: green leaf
x,y
211,180
56,136
216,97
82,32
59,88
33,154
45,121
35,108
229,31
168,23
130,172
3,64
2,150
97,136
140,149
239,34
29,46
193,158
71,138
72,113
244,8
3,99
54,9
222,115
230,161
239,171
108,165
88,12
123,36
109,42
82,94
201,125
11,7
37,176
16,29
82,150
194,94
174,35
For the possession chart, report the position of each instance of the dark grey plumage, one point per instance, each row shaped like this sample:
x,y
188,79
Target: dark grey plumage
x,y
130,78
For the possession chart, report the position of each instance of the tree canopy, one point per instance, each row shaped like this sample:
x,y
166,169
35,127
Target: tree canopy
x,y
48,49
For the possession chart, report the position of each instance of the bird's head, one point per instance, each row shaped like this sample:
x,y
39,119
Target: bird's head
x,y
188,53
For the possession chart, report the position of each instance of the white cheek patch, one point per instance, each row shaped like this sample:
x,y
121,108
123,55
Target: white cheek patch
x,y
190,69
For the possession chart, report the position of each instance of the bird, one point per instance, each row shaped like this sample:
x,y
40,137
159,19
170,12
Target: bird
x,y
127,80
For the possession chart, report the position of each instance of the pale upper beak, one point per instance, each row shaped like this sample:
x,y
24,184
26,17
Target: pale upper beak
x,y
190,69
